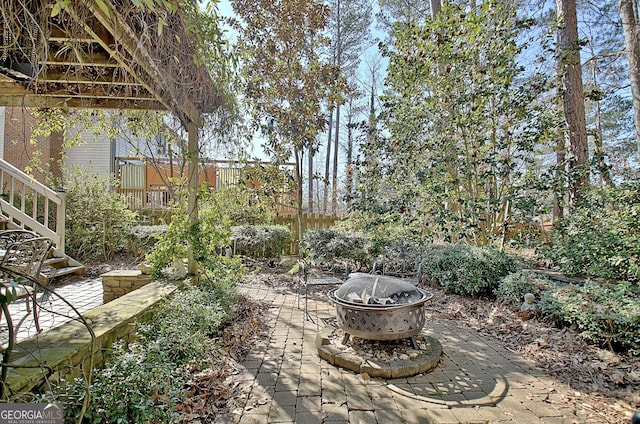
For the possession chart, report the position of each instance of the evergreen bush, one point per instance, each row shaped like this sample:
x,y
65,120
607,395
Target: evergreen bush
x,y
144,237
512,288
257,241
601,238
333,244
467,270
98,221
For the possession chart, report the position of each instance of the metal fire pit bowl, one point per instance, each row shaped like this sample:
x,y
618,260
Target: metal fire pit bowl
x,y
376,307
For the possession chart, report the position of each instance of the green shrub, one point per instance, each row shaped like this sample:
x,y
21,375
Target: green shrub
x,y
512,288
333,244
467,270
268,241
382,231
605,314
144,381
362,251
98,222
205,236
397,255
601,238
244,206
220,278
189,320
139,384
143,238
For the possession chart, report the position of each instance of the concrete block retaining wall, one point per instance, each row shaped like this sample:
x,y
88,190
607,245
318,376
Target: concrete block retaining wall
x,y
120,282
62,352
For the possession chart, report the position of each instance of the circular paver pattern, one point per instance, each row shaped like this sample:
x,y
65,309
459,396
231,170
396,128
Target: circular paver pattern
x,y
383,359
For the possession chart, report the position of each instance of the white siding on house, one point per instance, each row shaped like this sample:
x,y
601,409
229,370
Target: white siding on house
x,y
128,145
94,154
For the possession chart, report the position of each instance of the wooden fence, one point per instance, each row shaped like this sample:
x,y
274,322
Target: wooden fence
x,y
309,221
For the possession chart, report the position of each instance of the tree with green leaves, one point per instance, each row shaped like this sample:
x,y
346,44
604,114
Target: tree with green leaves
x,y
285,80
463,126
403,12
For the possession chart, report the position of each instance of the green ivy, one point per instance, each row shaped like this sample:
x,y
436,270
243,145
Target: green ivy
x,y
605,314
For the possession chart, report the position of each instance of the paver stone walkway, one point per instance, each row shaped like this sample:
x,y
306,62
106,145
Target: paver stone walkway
x,y
476,381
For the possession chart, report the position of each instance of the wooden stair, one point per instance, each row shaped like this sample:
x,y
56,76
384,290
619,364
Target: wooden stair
x,y
58,265
15,213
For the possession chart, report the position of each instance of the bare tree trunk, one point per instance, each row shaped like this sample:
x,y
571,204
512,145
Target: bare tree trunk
x,y
299,158
310,194
349,168
192,130
629,15
327,165
436,6
573,98
334,179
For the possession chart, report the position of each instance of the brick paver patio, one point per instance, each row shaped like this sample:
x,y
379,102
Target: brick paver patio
x,y
476,381
84,295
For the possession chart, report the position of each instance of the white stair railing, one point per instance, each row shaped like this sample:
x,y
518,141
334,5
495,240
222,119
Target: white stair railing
x,y
30,204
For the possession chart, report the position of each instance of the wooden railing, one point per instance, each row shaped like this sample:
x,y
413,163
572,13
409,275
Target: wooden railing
x,y
32,205
144,185
146,198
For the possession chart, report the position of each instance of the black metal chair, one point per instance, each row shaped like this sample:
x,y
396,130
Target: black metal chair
x,y
314,272
20,267
9,237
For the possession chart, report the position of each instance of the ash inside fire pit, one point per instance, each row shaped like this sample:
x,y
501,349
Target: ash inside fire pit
x,y
379,307
367,289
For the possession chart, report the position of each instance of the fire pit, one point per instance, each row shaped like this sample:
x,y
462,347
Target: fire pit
x,y
378,307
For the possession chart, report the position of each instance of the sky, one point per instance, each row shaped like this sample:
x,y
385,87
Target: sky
x,y
225,10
